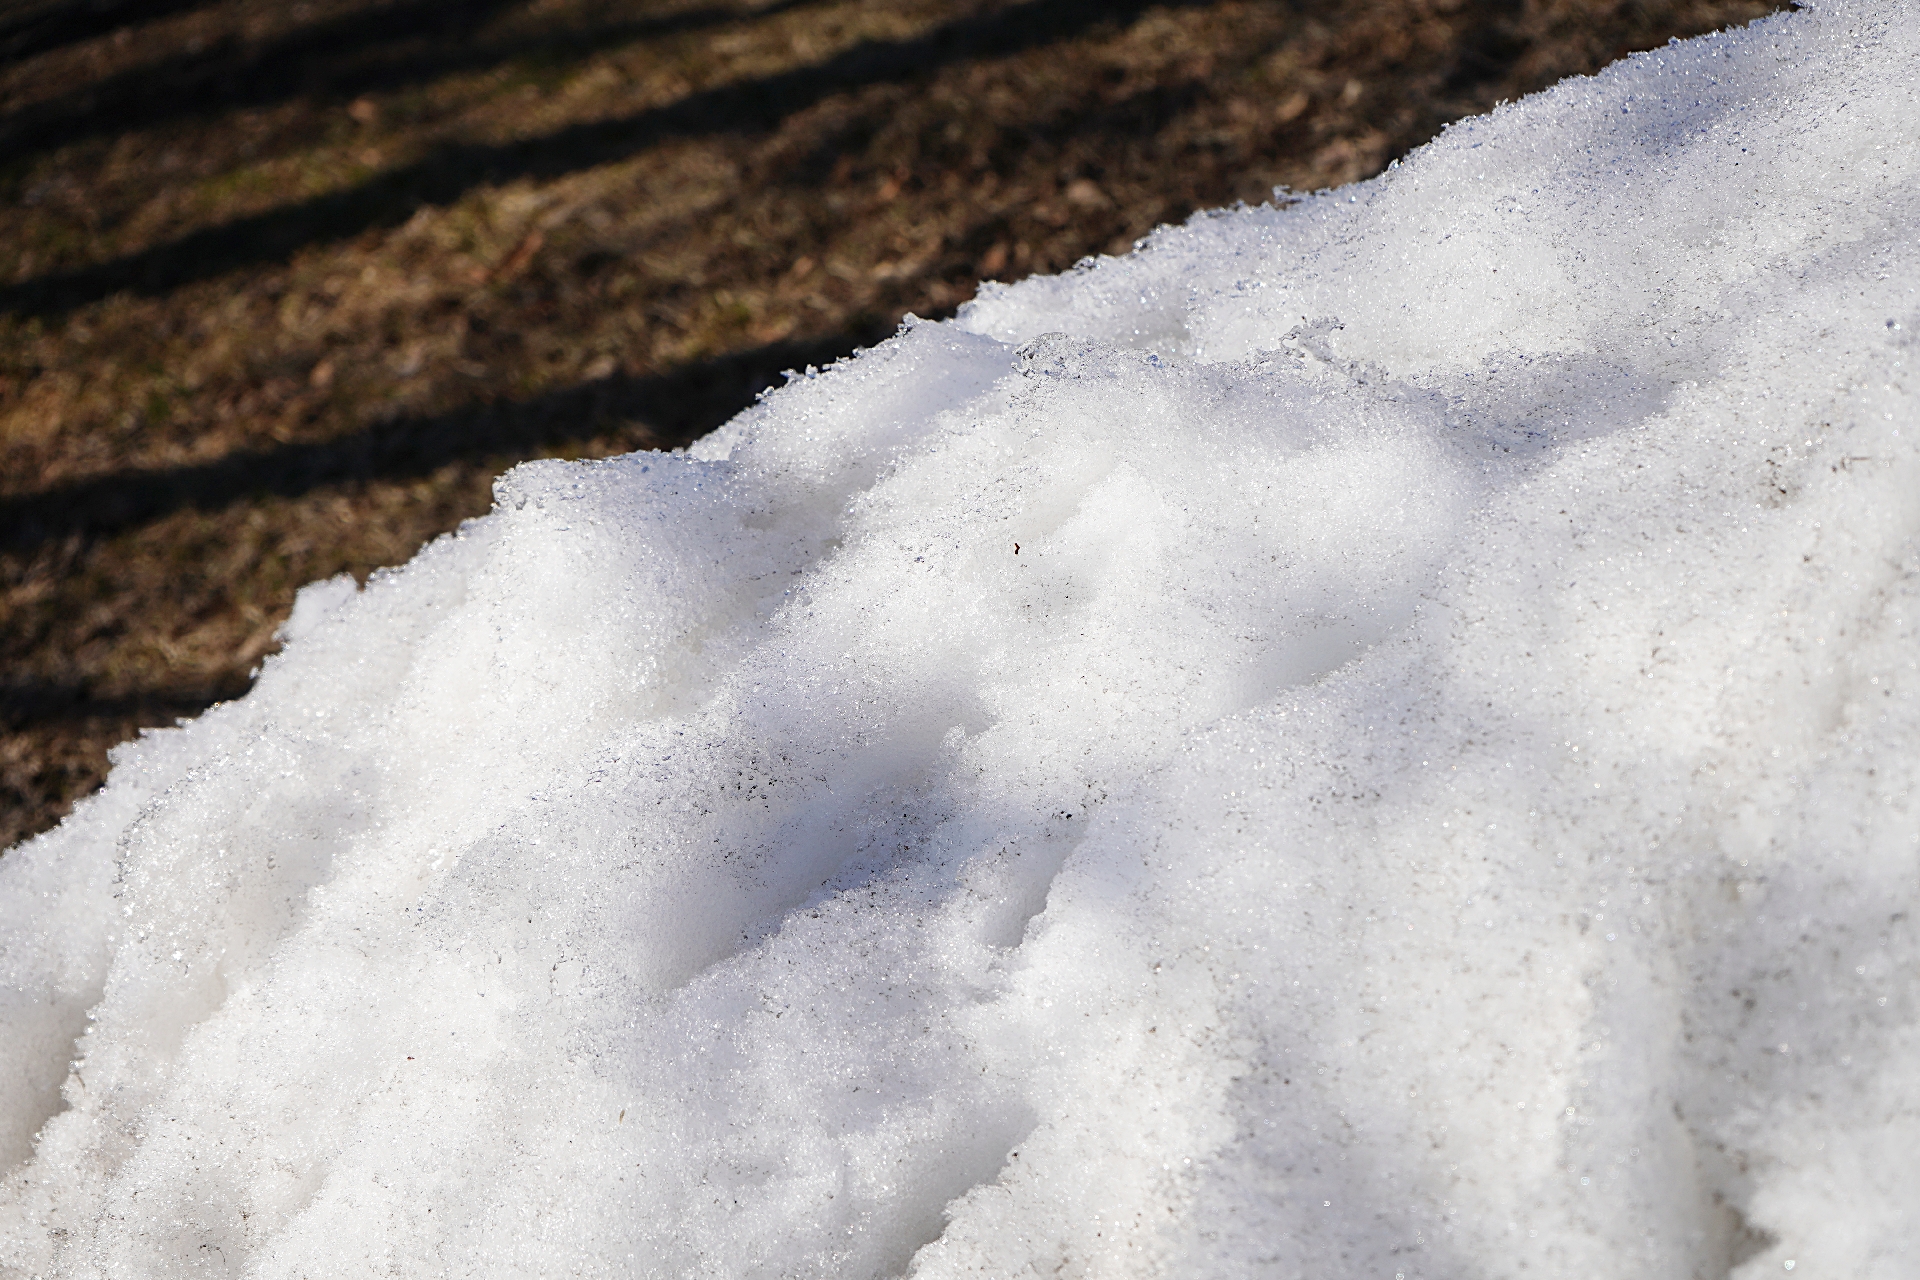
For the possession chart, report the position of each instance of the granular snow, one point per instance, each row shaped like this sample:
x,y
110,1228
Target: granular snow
x,y
1372,738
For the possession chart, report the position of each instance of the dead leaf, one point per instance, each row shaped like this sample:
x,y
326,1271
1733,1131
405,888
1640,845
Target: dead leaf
x,y
1084,193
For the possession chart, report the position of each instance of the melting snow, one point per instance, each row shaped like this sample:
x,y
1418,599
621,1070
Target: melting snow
x,y
1373,738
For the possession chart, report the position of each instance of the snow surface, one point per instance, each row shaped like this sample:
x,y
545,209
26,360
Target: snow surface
x,y
1432,795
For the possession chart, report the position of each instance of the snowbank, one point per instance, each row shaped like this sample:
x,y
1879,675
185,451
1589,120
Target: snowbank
x,y
1374,739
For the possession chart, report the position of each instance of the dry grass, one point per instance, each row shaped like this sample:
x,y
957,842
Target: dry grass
x,y
282,286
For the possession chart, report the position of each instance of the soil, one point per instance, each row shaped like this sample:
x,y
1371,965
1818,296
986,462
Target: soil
x,y
284,285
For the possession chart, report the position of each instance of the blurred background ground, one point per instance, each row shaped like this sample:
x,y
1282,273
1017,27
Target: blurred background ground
x,y
284,285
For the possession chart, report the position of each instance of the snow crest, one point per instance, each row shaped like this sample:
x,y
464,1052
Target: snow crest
x,y
1376,737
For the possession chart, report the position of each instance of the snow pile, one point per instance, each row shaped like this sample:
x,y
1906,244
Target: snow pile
x,y
1373,739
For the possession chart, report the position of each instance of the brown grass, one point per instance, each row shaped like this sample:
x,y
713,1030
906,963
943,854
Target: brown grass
x,y
283,286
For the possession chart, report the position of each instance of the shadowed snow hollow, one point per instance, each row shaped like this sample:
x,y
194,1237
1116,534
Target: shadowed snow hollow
x,y
1374,738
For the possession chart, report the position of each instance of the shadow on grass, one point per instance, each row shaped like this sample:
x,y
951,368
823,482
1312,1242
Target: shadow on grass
x,y
336,60
44,703
55,24
663,410
449,172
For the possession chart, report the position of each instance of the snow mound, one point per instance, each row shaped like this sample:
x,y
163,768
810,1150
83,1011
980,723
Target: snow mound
x,y
1373,738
